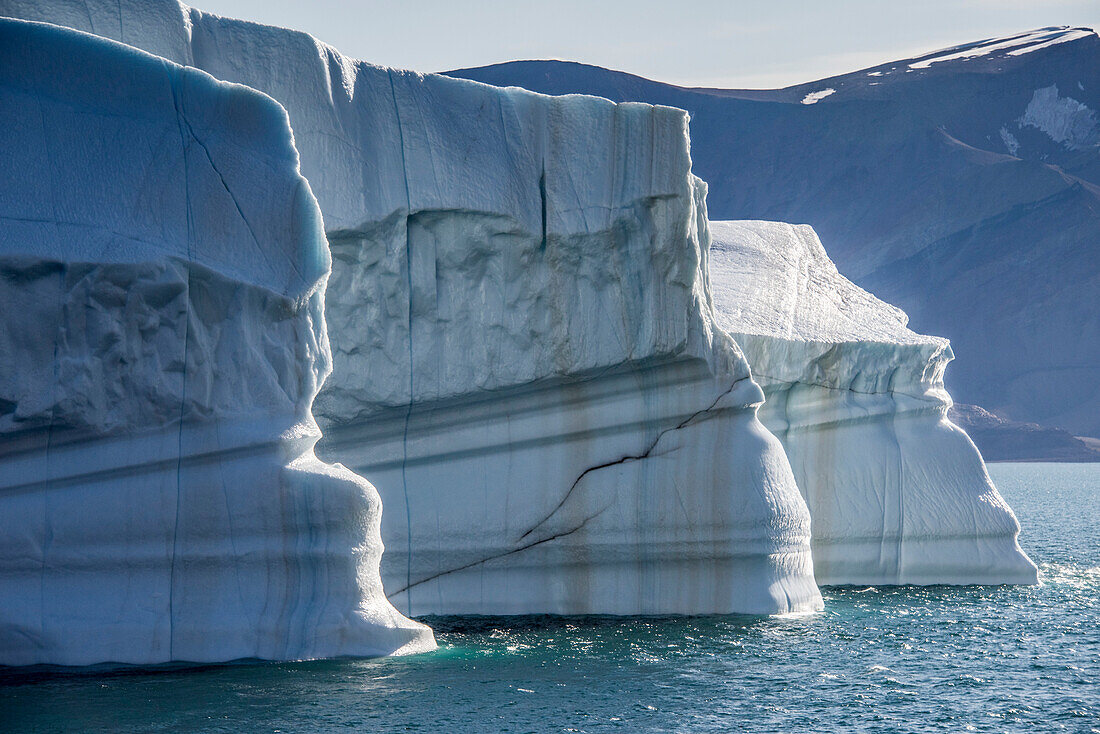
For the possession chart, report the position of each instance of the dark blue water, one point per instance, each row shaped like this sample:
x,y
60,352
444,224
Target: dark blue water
x,y
877,660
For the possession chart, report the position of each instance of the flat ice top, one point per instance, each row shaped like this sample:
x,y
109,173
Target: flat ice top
x,y
185,189
374,141
775,279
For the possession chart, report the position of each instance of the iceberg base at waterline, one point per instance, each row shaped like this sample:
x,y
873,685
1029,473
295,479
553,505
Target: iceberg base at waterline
x,y
162,289
649,489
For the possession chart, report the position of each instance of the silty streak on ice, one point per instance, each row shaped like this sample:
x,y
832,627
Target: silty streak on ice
x,y
159,495
564,549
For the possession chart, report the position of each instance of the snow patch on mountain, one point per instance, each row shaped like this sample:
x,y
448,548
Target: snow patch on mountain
x,y
1010,141
1072,34
1063,119
815,97
1012,45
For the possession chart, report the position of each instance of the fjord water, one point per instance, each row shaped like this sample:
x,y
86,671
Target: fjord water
x,y
908,659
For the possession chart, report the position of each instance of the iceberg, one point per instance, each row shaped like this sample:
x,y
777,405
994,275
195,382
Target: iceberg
x,y
543,362
525,359
162,281
897,493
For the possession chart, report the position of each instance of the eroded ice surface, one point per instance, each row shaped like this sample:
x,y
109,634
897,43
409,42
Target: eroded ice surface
x,y
162,282
897,494
525,362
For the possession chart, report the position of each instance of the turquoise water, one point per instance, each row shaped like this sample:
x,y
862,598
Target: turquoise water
x,y
877,660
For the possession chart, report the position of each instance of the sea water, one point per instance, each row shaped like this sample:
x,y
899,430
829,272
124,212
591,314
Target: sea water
x,y
908,659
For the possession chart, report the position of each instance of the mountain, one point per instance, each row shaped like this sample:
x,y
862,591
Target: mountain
x,y
962,186
1004,440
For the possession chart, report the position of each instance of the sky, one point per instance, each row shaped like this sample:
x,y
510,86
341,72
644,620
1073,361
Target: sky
x,y
732,44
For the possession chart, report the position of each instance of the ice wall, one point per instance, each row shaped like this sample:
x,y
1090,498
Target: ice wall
x,y
897,493
162,279
525,359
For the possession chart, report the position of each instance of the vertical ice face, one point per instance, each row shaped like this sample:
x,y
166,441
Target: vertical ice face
x,y
162,280
525,360
897,493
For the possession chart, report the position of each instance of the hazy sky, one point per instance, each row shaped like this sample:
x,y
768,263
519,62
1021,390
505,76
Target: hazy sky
x,y
748,43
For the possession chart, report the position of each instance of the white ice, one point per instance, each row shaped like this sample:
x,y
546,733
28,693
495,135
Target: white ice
x,y
162,282
528,364
525,361
897,494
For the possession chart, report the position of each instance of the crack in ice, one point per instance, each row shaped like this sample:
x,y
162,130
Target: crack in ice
x,y
630,457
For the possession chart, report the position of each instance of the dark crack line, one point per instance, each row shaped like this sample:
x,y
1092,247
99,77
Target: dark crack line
x,y
542,196
630,457
180,122
236,204
409,407
500,555
225,184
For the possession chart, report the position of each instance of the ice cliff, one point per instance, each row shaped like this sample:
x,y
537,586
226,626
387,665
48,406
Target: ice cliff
x,y
530,365
897,493
162,280
525,360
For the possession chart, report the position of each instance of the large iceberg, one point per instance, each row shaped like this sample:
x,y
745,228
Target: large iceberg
x,y
525,357
162,283
897,494
530,361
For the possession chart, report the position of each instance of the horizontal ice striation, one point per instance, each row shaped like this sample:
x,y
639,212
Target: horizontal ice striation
x,y
525,359
162,280
897,494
